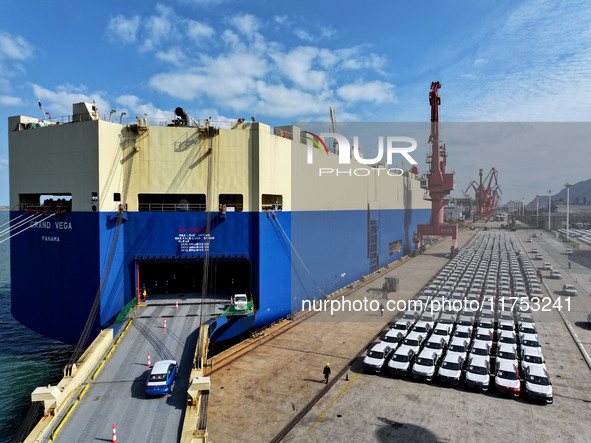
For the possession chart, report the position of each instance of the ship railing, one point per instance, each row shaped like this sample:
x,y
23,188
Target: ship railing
x,y
172,207
272,207
43,208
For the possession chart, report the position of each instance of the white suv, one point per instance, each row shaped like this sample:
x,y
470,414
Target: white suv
x,y
478,372
569,290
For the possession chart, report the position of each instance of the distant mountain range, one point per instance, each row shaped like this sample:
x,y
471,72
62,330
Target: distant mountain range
x,y
580,194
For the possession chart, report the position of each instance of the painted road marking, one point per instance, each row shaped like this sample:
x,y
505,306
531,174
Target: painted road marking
x,y
347,386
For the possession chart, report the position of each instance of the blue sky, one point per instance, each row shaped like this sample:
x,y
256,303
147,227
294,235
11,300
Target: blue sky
x,y
289,61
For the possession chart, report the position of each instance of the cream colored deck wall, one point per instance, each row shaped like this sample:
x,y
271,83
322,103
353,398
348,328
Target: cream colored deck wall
x,y
55,160
312,192
274,166
247,160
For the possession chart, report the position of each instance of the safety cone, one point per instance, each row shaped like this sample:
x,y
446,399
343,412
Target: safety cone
x,y
165,323
149,364
177,303
114,434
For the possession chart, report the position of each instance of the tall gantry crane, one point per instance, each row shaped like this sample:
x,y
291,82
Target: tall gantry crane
x,y
437,183
486,196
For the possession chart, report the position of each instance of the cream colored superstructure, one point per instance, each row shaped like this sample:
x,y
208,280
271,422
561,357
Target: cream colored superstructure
x,y
104,166
108,158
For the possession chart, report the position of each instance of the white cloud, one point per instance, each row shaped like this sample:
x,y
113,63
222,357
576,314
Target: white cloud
x,y
529,69
134,106
6,100
280,19
174,56
297,66
246,24
281,101
14,47
123,29
375,91
328,32
303,35
159,28
198,31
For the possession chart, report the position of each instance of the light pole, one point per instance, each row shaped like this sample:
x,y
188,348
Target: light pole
x,y
537,210
568,185
549,209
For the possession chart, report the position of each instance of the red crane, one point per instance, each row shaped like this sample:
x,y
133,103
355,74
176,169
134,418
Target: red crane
x,y
437,183
486,197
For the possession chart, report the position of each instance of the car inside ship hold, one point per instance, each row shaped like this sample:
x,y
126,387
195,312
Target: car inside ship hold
x,y
162,276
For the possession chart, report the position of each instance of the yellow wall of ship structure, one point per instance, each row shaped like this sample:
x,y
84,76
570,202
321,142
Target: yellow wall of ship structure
x,y
246,160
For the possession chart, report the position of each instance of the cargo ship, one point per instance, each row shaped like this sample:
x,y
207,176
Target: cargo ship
x,y
103,209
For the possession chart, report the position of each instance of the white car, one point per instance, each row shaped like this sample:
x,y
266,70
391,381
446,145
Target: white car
x,y
569,290
422,328
527,328
478,373
507,378
539,257
507,353
425,365
538,385
480,349
507,337
530,343
377,357
531,359
436,344
458,347
536,293
547,266
557,275
568,251
393,338
400,362
414,340
463,332
450,370
240,302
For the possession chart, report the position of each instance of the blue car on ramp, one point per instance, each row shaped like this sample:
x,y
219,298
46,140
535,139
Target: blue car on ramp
x,y
161,377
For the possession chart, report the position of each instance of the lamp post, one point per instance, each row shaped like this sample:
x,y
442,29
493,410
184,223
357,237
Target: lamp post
x,y
567,185
549,209
537,210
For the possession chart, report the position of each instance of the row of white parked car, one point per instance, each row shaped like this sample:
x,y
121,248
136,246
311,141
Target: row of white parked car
x,y
456,343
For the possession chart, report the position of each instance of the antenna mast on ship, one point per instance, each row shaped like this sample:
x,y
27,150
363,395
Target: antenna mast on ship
x,y
41,107
333,121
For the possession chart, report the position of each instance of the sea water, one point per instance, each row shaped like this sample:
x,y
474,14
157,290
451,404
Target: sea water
x,y
27,359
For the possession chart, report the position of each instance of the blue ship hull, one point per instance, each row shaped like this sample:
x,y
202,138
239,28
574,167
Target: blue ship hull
x,y
58,268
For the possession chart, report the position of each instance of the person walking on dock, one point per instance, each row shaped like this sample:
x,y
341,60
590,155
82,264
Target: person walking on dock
x,y
326,372
381,309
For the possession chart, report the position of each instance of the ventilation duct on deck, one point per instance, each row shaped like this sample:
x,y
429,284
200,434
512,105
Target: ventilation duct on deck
x,y
184,116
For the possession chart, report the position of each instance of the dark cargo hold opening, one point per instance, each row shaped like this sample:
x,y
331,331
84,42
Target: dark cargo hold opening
x,y
185,276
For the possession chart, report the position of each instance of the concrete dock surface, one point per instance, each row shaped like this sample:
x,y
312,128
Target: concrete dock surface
x,y
258,392
254,396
